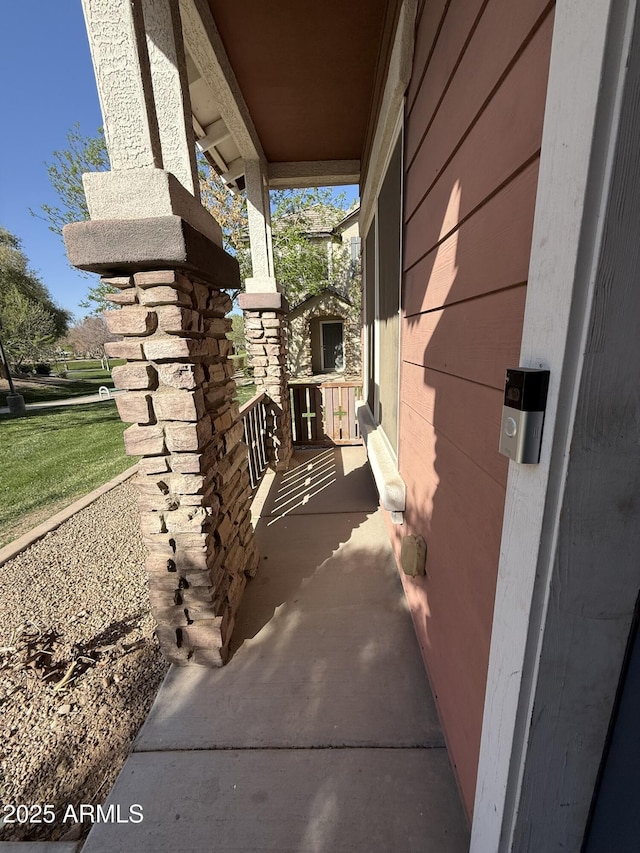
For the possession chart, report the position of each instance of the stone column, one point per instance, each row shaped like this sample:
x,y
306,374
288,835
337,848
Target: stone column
x,y
266,333
193,485
264,311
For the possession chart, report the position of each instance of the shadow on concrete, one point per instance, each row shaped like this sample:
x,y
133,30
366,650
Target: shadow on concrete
x,y
320,734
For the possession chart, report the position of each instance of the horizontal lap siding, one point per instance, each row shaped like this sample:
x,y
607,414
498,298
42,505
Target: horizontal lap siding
x,y
472,137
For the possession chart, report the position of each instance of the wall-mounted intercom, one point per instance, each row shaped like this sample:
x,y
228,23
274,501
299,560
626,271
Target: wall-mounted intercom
x,y
525,400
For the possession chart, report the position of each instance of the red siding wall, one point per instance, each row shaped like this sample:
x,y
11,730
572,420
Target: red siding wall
x,y
472,138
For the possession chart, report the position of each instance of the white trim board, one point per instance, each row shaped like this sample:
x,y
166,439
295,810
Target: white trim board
x,y
587,75
391,111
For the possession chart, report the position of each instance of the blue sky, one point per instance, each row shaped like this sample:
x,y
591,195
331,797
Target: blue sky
x,y
47,86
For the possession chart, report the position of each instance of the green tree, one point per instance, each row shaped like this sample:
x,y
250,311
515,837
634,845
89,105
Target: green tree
x,y
31,321
306,258
236,335
29,332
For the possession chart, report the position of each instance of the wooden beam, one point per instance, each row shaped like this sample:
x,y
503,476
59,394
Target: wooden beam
x,y
214,134
210,58
313,173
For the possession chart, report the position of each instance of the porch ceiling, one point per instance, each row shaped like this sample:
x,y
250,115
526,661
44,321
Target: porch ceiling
x,y
306,71
310,76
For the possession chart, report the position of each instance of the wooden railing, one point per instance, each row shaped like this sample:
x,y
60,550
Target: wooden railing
x,y
254,417
324,413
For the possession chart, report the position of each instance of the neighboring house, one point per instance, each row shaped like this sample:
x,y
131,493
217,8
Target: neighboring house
x,y
324,336
325,326
496,148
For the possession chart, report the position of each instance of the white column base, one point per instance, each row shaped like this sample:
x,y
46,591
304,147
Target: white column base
x,y
146,193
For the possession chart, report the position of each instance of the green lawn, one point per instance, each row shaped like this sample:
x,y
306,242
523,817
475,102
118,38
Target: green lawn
x,y
39,390
51,457
245,393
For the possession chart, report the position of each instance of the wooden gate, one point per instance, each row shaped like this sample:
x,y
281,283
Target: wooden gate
x,y
325,414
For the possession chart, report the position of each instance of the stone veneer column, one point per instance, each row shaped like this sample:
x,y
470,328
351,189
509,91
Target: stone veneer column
x,y
266,334
193,486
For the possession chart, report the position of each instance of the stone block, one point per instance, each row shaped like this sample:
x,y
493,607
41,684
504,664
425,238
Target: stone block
x,y
216,374
198,594
233,436
225,529
216,396
135,407
205,633
157,502
160,546
119,281
176,320
187,376
223,422
201,293
154,465
158,565
122,297
153,278
254,303
178,405
144,440
166,613
152,522
129,349
236,589
164,295
186,463
188,520
134,376
131,320
168,348
169,639
217,327
151,485
219,303
187,437
187,484
191,500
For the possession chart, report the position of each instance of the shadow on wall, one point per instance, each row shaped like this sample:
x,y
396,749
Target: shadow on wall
x,y
462,314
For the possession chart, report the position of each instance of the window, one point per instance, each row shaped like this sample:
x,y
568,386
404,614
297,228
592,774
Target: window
x,y
382,299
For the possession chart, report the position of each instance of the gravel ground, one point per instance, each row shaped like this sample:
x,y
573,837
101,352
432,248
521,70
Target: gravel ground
x,y
79,665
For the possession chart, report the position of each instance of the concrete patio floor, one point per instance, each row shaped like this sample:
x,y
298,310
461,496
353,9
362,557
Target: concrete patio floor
x,y
320,734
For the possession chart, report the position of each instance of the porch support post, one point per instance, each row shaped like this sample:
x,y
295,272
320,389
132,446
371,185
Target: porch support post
x,y
259,216
193,487
152,240
139,62
168,65
265,309
266,333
